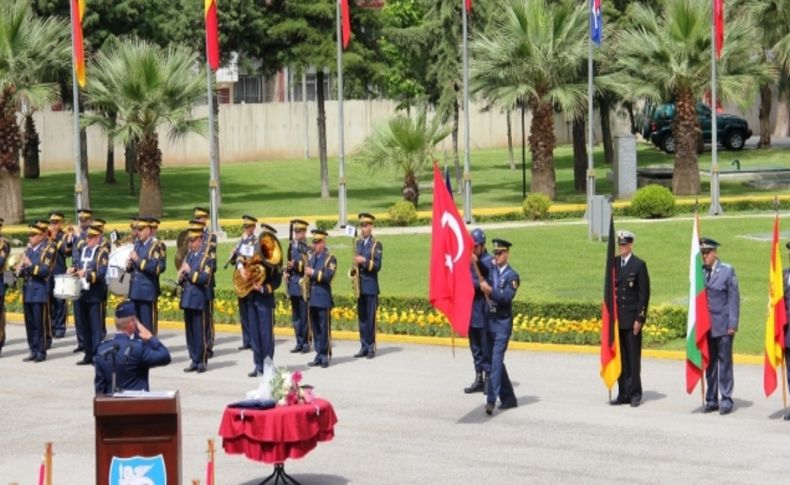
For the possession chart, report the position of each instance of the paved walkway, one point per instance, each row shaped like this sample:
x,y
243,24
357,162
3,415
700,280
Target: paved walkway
x,y
404,419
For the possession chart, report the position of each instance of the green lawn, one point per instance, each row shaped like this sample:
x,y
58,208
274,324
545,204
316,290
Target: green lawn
x,y
282,188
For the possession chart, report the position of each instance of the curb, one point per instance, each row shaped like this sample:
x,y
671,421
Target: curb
x,y
459,342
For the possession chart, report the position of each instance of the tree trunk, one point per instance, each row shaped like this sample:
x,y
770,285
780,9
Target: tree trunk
x,y
215,107
765,116
579,155
411,189
30,151
629,107
541,146
149,164
459,188
86,190
782,126
130,155
511,159
109,174
686,130
11,204
322,133
606,131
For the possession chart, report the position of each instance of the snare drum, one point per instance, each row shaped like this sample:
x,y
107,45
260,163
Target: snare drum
x,y
67,287
9,279
117,279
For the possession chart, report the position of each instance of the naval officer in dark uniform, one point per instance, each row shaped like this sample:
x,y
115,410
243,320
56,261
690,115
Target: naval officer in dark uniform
x,y
724,299
297,262
478,328
35,268
130,354
633,296
500,287
368,257
144,266
321,269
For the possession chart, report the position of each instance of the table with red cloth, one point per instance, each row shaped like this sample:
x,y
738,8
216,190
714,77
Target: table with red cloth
x,y
276,434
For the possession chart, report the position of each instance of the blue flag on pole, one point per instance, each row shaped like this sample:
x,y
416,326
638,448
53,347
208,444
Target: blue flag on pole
x,y
596,22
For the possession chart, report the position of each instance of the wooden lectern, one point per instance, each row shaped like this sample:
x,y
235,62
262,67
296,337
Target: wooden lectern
x,y
137,426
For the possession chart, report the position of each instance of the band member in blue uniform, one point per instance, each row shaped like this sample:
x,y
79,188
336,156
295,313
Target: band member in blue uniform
x,y
202,216
144,265
58,309
243,252
130,354
260,301
724,300
106,244
321,269
35,268
92,270
367,260
478,328
195,276
297,261
85,217
162,265
5,251
500,287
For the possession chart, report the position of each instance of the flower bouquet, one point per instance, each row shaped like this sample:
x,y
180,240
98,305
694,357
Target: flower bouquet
x,y
286,389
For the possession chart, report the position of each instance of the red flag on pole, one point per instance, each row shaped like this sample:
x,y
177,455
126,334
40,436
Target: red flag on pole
x,y
77,13
212,34
451,290
718,18
345,16
468,5
777,318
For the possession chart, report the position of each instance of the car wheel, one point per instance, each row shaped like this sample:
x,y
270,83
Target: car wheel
x,y
735,140
668,143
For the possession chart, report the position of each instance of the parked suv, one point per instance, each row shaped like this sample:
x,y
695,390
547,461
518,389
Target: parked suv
x,y
732,131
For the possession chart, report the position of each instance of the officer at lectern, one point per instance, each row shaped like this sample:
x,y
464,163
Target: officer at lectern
x,y
128,355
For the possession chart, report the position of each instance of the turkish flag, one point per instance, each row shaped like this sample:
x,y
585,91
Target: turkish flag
x,y
451,290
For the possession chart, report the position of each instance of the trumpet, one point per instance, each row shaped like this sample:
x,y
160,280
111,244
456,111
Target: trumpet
x,y
21,265
304,281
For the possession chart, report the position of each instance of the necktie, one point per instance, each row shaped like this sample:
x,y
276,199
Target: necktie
x,y
622,263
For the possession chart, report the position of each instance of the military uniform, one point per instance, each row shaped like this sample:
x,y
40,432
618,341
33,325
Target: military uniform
x,y
162,267
93,297
504,282
721,285
77,245
194,301
632,282
58,309
106,244
144,285
5,251
298,257
244,250
210,240
478,327
368,302
324,265
35,292
260,311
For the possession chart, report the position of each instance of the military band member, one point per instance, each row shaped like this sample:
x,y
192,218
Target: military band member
x,y
85,217
106,243
478,328
721,286
243,252
58,309
5,251
91,268
367,259
321,269
500,287
202,215
144,266
260,311
786,279
195,276
297,261
36,268
162,264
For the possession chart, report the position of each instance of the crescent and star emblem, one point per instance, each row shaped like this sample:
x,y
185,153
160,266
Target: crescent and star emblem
x,y
448,220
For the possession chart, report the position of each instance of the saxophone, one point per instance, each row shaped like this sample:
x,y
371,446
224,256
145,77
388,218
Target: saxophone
x,y
304,281
353,272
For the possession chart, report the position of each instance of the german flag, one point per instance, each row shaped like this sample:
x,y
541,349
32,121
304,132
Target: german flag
x,y
212,34
610,339
77,13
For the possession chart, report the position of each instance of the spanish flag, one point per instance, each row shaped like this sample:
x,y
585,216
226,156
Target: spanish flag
x,y
77,13
777,318
610,337
212,34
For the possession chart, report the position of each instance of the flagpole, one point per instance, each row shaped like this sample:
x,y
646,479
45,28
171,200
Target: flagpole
x,y
306,122
590,162
715,206
341,146
76,107
467,175
214,155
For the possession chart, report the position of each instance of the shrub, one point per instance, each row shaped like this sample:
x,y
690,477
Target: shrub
x,y
402,213
653,202
536,206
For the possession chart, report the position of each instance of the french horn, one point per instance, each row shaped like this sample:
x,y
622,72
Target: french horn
x,y
261,267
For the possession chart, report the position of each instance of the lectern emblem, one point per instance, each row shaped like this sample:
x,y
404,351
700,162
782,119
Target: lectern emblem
x,y
138,470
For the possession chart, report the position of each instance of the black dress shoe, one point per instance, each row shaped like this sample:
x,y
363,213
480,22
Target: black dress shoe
x,y
60,335
508,405
324,365
725,411
360,354
41,358
619,401
710,407
209,353
489,408
306,349
191,368
245,347
371,355
77,350
295,350
313,363
254,373
636,401
787,417
29,358
85,361
201,368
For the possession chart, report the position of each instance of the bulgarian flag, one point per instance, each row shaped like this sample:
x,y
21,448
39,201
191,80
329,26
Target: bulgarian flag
x,y
698,324
77,14
777,318
212,34
610,336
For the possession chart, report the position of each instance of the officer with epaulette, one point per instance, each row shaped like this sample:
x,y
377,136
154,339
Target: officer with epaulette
x,y
724,300
85,217
5,251
500,287
478,328
260,308
243,252
58,310
36,268
367,259
298,258
633,295
786,280
202,215
144,266
195,277
321,269
161,249
129,355
92,271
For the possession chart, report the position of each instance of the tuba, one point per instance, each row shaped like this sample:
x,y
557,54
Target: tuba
x,y
267,261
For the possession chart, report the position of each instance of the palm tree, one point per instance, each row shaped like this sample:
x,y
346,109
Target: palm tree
x,y
30,48
148,87
405,145
668,57
531,55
